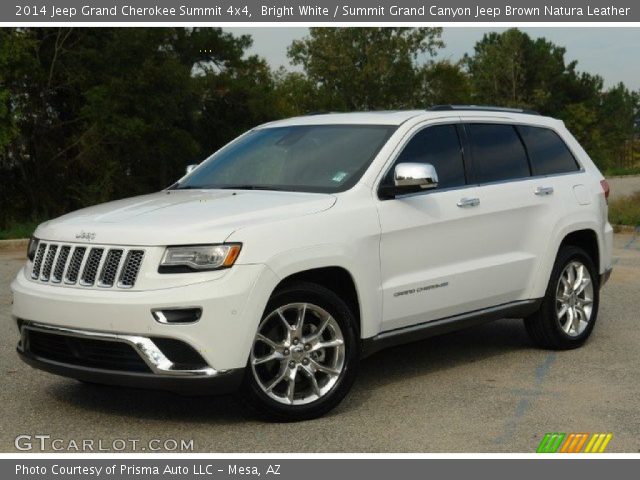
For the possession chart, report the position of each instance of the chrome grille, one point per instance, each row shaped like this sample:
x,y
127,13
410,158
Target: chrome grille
x,y
48,262
37,263
130,270
97,266
110,268
61,263
74,265
91,267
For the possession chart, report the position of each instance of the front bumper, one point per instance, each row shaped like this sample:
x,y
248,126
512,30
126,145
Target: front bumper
x,y
225,382
231,309
164,374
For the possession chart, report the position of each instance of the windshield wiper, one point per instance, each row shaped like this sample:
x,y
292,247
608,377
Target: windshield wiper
x,y
248,187
240,186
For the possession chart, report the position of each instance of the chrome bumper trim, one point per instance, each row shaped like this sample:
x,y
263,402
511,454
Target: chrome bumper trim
x,y
144,346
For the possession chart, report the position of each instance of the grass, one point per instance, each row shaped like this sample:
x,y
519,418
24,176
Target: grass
x,y
621,171
625,210
19,230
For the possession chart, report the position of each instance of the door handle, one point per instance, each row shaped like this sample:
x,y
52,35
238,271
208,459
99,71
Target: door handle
x,y
542,191
468,202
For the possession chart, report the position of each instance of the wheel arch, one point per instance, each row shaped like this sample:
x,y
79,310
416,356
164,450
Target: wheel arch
x,y
585,236
587,240
333,277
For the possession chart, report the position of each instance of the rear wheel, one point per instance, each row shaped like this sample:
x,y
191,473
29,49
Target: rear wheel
x,y
304,355
570,307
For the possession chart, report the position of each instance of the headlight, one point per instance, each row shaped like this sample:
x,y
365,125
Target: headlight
x,y
191,258
32,248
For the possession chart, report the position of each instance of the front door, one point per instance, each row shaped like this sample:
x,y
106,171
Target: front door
x,y
430,249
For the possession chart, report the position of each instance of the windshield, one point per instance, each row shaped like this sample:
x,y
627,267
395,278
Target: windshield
x,y
310,158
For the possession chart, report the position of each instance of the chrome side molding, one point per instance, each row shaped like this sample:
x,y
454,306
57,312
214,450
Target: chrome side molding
x,y
420,331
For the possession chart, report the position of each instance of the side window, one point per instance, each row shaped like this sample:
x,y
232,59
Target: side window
x,y
498,152
440,146
547,151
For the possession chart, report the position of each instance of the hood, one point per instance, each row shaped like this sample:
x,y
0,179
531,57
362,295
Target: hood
x,y
175,217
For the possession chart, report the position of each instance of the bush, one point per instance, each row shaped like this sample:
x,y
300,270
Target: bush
x,y
19,230
625,210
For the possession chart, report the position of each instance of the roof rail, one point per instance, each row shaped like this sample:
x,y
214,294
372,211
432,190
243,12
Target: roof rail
x,y
317,112
481,108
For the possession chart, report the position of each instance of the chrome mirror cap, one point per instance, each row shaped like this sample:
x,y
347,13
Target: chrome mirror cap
x,y
420,175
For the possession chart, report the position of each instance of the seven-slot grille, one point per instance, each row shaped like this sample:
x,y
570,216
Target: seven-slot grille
x,y
86,266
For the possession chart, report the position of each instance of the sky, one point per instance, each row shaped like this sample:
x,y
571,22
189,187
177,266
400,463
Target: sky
x,y
612,53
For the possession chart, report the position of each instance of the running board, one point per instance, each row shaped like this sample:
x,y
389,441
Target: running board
x,y
413,333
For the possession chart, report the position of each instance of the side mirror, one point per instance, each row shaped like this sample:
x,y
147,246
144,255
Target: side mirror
x,y
191,168
410,178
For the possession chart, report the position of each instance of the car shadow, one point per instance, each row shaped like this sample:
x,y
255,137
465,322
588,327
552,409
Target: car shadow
x,y
392,365
437,354
445,351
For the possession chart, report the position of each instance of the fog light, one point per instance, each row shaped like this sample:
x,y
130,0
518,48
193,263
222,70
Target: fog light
x,y
177,315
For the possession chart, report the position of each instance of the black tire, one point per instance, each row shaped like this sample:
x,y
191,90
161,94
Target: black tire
x,y
253,396
544,326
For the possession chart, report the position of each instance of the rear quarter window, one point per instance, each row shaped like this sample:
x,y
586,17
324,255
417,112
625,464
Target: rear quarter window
x,y
547,151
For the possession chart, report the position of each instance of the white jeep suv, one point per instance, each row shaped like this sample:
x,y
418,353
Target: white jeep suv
x,y
305,244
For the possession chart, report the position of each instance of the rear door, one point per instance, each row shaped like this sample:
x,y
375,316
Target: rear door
x,y
516,212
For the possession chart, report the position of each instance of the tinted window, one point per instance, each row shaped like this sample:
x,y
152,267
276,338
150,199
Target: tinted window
x,y
498,153
547,151
439,146
314,158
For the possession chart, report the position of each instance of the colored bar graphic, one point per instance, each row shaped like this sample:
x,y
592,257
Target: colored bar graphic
x,y
581,442
606,441
573,443
550,443
542,448
569,444
590,444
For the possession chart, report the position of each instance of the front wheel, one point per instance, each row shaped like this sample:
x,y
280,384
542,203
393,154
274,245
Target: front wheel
x,y
570,307
304,355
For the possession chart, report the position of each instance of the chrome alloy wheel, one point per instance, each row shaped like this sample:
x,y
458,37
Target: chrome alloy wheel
x,y
298,353
574,298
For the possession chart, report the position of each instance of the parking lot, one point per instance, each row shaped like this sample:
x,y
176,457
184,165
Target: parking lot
x,y
485,389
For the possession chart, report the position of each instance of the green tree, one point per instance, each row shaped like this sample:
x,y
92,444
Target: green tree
x,y
295,93
97,114
234,101
512,69
443,83
365,68
617,115
15,61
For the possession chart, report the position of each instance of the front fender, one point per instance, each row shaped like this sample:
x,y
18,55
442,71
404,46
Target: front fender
x,y
366,277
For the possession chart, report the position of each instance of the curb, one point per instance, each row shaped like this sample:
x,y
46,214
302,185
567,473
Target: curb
x,y
625,229
14,244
